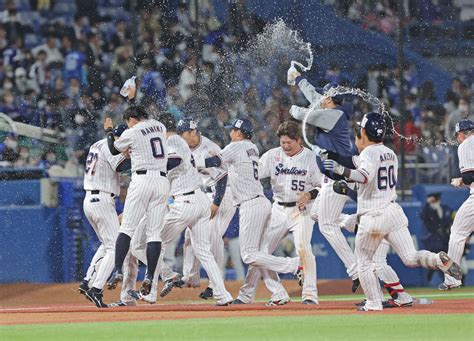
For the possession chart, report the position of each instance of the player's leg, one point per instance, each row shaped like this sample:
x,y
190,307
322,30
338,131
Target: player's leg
x,y
461,229
271,238
130,273
156,210
330,207
253,217
303,231
389,277
368,238
191,265
92,269
200,241
234,254
138,196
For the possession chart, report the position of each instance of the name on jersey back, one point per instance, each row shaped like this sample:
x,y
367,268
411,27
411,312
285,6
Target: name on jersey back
x,y
152,129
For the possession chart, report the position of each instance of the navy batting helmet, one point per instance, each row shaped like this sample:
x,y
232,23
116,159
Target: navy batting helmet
x,y
374,125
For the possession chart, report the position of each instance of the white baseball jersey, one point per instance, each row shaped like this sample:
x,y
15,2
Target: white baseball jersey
x,y
242,159
184,178
466,157
207,148
100,172
379,163
147,144
289,175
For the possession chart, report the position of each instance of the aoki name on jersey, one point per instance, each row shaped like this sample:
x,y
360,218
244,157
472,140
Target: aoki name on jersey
x,y
152,129
280,169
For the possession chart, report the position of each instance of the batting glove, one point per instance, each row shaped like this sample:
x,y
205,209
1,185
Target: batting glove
x,y
456,182
340,187
291,75
333,166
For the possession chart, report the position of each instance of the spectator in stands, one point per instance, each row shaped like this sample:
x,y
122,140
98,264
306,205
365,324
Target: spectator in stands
x,y
10,149
463,111
8,105
437,219
24,159
48,159
39,73
53,54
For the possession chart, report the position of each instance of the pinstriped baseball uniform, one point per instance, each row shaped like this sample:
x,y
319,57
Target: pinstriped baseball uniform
x,y
463,224
191,208
290,175
102,183
326,210
383,270
242,160
147,193
381,217
219,224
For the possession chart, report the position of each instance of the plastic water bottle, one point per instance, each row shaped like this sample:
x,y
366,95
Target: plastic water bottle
x,y
423,301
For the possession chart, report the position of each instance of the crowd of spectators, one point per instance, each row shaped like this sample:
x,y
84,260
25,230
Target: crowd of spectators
x,y
64,72
381,15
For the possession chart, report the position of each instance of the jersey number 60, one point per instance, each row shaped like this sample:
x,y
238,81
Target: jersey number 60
x,y
386,177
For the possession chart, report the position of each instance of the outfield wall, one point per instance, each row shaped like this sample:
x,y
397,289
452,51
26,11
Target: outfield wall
x,y
44,244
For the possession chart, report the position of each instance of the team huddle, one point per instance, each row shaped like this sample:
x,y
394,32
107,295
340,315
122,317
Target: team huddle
x,y
182,181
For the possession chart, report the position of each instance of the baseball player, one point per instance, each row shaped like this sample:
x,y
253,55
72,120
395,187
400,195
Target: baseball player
x,y
145,141
463,224
216,186
379,216
102,184
191,208
241,157
331,116
295,181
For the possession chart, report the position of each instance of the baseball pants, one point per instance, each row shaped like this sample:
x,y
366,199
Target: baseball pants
x,y
391,224
283,220
326,210
100,212
193,211
463,226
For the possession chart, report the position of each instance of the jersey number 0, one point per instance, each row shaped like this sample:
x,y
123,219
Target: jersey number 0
x,y
157,148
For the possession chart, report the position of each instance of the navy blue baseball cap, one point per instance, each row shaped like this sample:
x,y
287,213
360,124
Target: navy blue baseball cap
x,y
464,125
243,124
374,125
186,124
118,130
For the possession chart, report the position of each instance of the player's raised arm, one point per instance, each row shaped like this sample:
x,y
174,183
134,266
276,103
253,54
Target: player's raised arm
x,y
294,77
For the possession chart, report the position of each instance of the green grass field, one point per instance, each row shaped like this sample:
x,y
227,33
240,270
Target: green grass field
x,y
317,327
336,327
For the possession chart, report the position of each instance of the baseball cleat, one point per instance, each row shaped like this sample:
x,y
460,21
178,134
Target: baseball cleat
x,y
176,282
391,303
146,286
355,285
114,279
449,266
122,304
361,303
277,303
83,287
238,301
365,308
136,294
444,286
223,304
207,293
310,302
96,297
299,275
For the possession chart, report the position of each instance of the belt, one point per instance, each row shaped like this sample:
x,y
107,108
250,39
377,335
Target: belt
x,y
143,171
184,194
248,200
96,191
287,204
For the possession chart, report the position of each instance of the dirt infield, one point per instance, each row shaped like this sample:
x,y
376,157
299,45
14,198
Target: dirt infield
x,y
60,303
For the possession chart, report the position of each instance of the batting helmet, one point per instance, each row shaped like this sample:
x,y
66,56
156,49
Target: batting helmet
x,y
374,125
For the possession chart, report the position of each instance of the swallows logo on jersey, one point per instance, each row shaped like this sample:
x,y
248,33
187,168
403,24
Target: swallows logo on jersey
x,y
280,169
